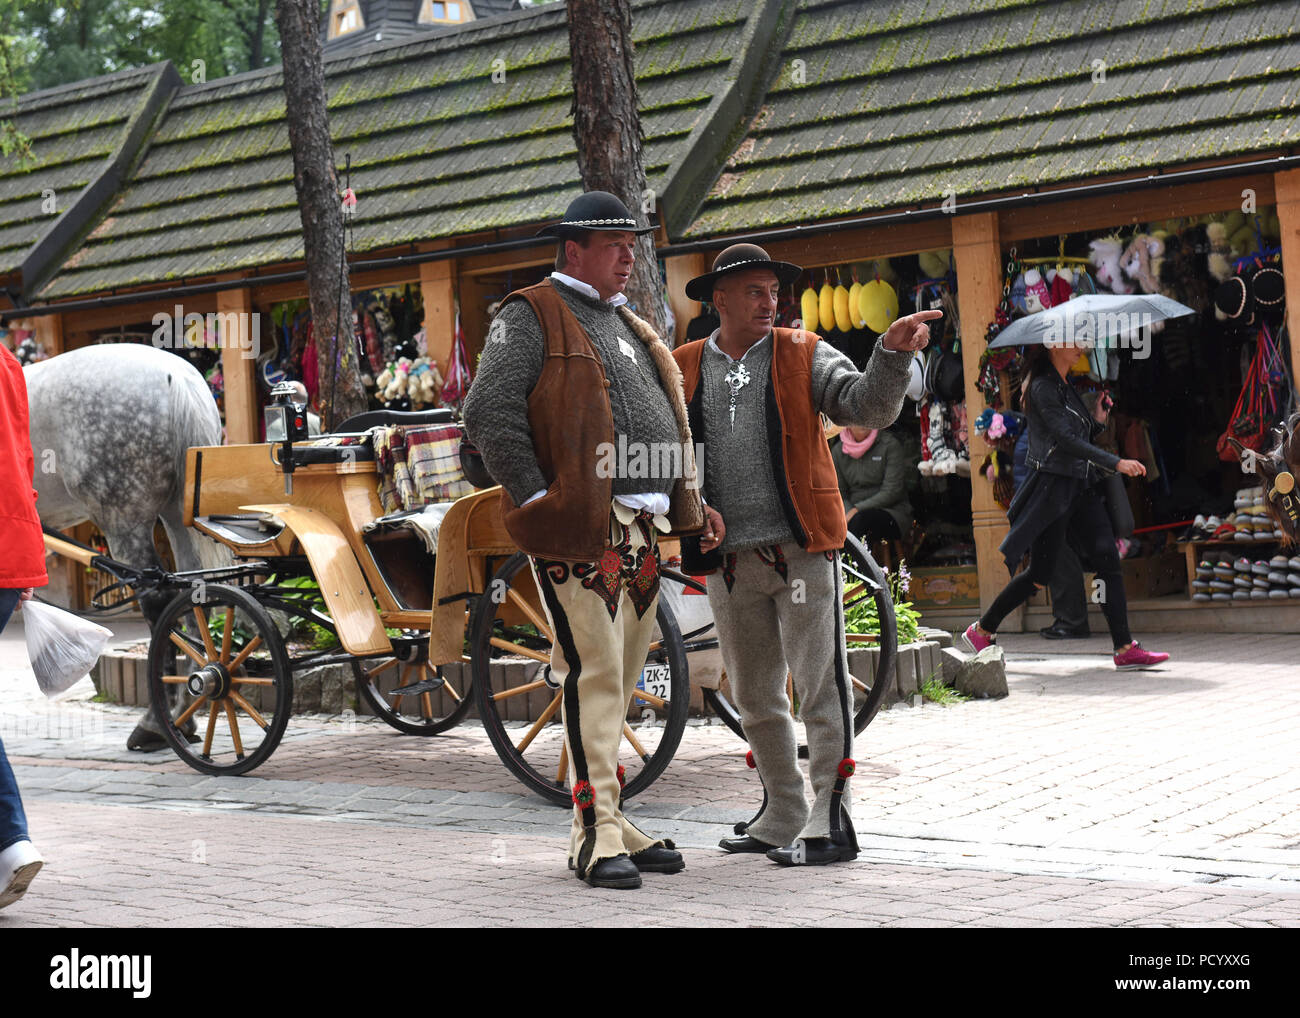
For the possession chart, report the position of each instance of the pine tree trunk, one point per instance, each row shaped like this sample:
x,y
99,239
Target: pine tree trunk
x,y
316,183
607,130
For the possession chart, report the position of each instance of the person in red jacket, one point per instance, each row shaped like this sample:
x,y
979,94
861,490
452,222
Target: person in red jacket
x,y
22,569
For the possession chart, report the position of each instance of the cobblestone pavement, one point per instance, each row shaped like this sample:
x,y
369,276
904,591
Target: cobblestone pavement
x,y
1086,797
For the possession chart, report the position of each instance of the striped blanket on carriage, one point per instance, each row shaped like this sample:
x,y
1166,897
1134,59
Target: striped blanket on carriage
x,y
419,466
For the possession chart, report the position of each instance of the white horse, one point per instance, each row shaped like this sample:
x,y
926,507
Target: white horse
x,y
110,426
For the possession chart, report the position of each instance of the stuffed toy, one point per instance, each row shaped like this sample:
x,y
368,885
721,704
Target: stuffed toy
x,y
934,264
1105,256
1135,263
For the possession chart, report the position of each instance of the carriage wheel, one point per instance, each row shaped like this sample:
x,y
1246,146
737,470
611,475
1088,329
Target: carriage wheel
x,y
413,696
216,657
511,646
863,579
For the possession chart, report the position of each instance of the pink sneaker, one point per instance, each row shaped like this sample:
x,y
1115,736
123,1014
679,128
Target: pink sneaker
x,y
976,640
1135,657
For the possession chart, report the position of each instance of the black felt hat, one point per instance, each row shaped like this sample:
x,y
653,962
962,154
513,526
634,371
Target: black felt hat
x,y
738,258
595,210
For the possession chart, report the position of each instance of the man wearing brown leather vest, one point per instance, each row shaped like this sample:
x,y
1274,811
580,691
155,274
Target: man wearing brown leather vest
x,y
568,375
755,395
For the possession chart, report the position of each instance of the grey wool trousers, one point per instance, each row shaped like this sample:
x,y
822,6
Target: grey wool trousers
x,y
778,610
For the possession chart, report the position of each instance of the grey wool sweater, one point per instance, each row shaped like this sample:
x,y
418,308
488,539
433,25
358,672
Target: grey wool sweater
x,y
738,477
496,409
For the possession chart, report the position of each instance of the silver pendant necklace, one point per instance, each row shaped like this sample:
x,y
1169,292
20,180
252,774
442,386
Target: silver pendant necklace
x,y
736,378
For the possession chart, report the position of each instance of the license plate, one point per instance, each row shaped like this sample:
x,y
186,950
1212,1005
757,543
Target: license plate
x,y
656,680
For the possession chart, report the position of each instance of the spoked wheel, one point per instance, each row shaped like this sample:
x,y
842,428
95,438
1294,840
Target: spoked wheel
x,y
413,696
521,707
864,582
216,658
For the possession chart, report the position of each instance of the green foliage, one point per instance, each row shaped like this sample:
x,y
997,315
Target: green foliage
x,y
306,595
935,691
863,619
60,41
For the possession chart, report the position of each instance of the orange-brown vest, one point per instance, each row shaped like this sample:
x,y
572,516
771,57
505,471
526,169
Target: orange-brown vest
x,y
570,416
802,467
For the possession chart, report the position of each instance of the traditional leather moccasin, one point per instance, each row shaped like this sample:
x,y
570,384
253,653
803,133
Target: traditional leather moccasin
x,y
619,873
658,859
744,843
813,852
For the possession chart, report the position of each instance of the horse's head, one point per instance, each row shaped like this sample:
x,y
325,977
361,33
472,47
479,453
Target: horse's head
x,y
1277,469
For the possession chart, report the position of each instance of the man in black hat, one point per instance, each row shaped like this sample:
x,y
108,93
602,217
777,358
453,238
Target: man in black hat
x,y
568,376
755,396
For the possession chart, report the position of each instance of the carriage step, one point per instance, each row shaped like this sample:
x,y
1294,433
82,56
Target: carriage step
x,y
423,686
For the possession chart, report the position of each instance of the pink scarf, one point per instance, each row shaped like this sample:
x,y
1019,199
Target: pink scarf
x,y
857,449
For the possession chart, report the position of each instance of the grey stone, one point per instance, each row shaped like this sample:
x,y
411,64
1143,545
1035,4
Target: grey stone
x,y
930,664
940,636
335,688
906,670
984,675
951,660
306,692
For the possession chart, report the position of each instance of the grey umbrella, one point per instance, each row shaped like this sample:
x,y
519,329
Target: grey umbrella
x,y
1092,320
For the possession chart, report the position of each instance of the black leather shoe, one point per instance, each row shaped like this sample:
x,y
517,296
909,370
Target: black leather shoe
x,y
658,859
744,844
813,852
619,872
1060,631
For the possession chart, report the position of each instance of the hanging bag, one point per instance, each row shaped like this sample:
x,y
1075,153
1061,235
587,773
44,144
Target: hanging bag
x,y
61,646
1246,424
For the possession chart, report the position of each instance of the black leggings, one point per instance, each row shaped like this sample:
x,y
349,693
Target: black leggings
x,y
1088,524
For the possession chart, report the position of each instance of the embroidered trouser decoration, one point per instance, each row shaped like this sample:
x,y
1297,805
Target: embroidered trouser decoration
x,y
603,616
769,626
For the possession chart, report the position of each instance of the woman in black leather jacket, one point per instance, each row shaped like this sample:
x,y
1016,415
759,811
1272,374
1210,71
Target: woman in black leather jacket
x,y
1059,501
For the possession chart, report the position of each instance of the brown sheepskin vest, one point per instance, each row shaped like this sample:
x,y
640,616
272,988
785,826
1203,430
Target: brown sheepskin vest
x,y
804,472
570,416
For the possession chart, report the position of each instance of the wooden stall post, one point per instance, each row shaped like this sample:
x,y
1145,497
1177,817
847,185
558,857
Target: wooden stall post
x,y
239,365
681,270
1287,188
978,254
438,291
49,333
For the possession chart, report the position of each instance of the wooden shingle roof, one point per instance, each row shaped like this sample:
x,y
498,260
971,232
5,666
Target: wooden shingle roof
x,y
83,139
438,147
881,106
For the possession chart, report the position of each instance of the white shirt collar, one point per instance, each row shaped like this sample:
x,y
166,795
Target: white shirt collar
x,y
713,345
588,289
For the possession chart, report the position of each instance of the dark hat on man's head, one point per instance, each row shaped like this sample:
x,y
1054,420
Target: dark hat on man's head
x,y
738,258
595,210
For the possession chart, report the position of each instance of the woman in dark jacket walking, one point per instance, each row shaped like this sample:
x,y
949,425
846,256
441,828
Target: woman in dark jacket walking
x,y
1059,500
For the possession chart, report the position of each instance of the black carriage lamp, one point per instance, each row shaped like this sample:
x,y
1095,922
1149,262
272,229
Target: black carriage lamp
x,y
286,423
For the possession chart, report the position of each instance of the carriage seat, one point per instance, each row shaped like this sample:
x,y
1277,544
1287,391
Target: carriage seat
x,y
334,449
240,529
394,418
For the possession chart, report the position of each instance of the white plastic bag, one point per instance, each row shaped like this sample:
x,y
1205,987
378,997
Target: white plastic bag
x,y
61,646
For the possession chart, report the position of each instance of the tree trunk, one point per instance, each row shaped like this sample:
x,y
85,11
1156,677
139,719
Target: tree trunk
x,y
607,130
257,36
320,208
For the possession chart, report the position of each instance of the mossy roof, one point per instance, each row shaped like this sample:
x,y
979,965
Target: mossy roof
x,y
438,148
909,101
73,131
